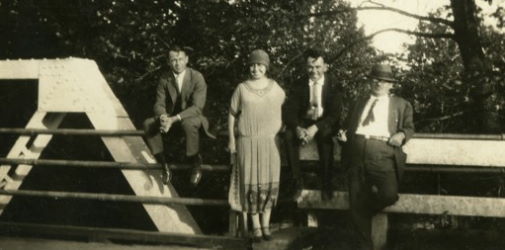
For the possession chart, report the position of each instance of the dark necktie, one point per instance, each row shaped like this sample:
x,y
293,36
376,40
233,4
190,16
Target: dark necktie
x,y
370,117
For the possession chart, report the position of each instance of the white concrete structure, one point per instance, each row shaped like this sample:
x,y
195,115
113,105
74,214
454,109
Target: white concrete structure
x,y
77,85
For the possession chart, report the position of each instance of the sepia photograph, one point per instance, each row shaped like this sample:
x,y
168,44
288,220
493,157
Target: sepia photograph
x,y
252,124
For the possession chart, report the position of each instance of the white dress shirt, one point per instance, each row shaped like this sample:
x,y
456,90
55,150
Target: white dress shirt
x,y
316,90
179,79
379,126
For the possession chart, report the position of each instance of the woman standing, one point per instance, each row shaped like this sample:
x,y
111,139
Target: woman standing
x,y
256,106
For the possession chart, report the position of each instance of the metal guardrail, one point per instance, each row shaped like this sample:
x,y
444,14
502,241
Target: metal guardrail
x,y
495,137
116,197
68,131
456,169
217,168
106,164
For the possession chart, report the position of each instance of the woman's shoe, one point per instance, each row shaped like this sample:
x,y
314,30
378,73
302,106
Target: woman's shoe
x,y
256,235
266,233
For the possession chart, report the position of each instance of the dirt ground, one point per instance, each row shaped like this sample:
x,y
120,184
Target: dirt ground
x,y
297,239
14,243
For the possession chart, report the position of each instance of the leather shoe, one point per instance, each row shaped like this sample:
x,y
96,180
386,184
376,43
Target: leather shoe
x,y
196,174
166,175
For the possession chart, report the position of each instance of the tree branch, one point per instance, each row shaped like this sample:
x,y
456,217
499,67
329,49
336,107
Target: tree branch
x,y
380,6
143,76
366,38
383,8
444,117
416,33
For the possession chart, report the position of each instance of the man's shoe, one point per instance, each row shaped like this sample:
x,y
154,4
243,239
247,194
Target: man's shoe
x,y
166,175
196,174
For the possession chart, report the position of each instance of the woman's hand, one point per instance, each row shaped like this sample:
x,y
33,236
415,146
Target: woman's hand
x,y
232,148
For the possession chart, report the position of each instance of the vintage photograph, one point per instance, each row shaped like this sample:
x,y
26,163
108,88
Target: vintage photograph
x,y
252,124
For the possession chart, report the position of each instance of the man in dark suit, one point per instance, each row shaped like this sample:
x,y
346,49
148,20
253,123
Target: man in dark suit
x,y
312,111
377,127
180,99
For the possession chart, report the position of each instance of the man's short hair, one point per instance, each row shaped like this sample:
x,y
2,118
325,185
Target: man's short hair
x,y
178,48
313,53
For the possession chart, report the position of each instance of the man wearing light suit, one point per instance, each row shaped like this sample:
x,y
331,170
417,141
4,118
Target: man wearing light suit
x,y
312,112
180,99
377,127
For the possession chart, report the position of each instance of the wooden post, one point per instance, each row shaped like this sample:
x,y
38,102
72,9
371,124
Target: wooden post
x,y
233,224
238,226
244,225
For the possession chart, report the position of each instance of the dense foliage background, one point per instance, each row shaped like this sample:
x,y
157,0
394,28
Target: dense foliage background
x,y
129,40
453,73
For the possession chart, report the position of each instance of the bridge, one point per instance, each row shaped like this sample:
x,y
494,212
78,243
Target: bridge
x,y
76,85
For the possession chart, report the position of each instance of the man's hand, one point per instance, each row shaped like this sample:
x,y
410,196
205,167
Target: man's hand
x,y
312,113
397,139
164,117
166,122
311,132
342,135
301,133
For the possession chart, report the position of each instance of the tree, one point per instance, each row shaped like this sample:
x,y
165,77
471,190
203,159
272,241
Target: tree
x,y
436,84
464,31
129,39
477,68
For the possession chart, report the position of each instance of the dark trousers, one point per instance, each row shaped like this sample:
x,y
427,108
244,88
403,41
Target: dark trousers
x,y
190,127
325,146
373,183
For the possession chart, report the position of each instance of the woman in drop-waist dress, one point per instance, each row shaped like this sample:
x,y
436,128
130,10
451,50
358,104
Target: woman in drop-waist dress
x,y
256,107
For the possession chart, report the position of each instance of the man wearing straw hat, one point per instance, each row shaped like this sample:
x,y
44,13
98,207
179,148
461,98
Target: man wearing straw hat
x,y
377,127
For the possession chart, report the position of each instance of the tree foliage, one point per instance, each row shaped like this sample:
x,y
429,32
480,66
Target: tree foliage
x,y
129,40
435,79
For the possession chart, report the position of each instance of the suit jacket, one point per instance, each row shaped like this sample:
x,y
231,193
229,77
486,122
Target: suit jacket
x,y
400,120
193,96
297,104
